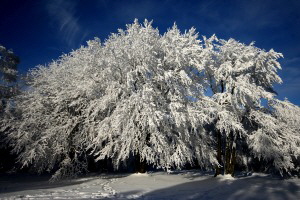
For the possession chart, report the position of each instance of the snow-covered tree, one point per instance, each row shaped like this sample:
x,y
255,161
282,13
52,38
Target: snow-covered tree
x,y
130,96
153,118
145,96
51,129
8,75
239,77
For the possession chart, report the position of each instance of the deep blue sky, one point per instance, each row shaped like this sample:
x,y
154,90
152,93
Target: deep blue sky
x,y
39,31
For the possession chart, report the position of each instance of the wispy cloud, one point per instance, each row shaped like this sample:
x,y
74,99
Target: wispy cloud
x,y
63,15
291,82
240,16
292,62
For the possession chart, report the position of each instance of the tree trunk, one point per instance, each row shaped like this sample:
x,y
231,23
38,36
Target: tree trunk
x,y
219,142
71,148
140,166
233,159
219,153
230,154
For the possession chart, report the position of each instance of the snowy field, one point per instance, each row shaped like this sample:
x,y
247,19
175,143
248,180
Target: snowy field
x,y
157,185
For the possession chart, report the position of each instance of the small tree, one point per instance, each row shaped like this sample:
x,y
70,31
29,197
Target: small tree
x,y
8,74
8,90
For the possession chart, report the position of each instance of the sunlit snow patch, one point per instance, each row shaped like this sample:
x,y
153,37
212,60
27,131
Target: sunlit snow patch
x,y
225,177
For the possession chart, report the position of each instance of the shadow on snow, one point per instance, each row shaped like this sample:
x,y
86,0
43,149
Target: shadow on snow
x,y
249,188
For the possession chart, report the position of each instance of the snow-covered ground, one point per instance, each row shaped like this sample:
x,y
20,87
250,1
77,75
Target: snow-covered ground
x,y
157,185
